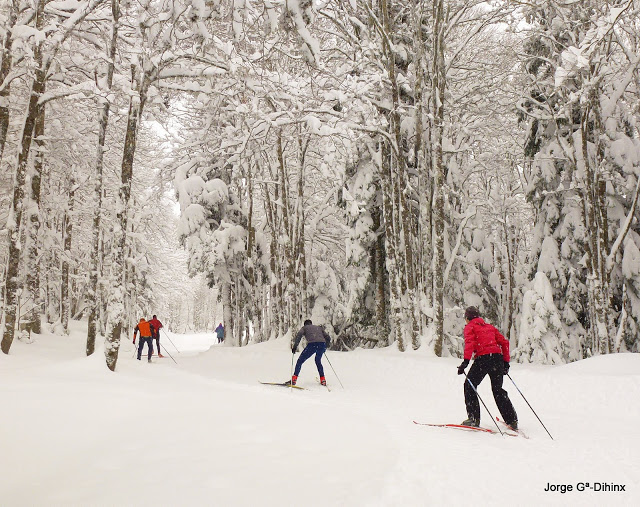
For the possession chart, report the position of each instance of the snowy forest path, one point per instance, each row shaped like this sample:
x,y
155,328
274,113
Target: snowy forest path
x,y
386,391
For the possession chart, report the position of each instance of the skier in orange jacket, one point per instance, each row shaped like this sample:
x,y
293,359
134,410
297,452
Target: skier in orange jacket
x,y
144,328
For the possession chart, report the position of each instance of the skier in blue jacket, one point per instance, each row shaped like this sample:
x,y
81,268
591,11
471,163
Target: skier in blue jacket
x,y
220,333
317,342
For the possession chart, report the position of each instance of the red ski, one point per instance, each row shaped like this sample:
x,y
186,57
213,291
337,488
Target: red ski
x,y
518,431
463,427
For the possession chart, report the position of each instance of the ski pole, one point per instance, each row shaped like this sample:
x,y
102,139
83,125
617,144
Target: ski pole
x,y
334,371
483,404
174,345
165,349
534,412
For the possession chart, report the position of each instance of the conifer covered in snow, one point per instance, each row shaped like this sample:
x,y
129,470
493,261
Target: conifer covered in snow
x,y
583,183
543,338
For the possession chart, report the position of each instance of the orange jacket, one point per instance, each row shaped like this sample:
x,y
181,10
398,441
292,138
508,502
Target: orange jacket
x,y
144,328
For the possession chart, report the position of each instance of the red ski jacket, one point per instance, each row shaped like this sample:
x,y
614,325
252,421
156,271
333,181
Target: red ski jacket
x,y
156,325
482,339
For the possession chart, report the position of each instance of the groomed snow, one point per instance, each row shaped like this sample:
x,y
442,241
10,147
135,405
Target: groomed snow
x,y
205,432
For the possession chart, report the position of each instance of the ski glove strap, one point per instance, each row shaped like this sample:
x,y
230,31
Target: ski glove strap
x,y
505,371
462,366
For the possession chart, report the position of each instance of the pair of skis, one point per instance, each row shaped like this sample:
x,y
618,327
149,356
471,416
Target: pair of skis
x,y
282,384
286,384
507,431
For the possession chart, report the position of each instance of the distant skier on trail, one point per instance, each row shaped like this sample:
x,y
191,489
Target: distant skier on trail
x,y
317,342
220,332
155,332
491,351
144,328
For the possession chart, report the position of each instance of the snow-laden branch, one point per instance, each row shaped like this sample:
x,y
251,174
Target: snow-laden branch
x,y
576,59
13,75
68,26
468,216
326,210
302,14
86,88
623,231
202,72
609,104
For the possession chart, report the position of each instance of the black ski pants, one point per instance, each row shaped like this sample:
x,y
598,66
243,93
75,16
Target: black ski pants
x,y
492,365
156,336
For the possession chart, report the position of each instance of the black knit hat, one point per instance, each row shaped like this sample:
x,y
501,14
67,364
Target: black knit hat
x,y
471,313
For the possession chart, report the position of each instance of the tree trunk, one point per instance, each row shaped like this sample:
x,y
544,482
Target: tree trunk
x,y
255,288
597,283
510,281
117,311
300,258
67,231
402,217
227,312
5,68
241,310
288,247
381,283
438,172
33,268
421,168
92,293
274,278
49,305
15,220
391,251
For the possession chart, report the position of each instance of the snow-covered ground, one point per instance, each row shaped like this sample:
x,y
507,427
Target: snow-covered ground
x,y
205,432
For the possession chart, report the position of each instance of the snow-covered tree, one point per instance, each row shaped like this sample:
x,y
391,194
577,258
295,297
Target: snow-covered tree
x,y
543,338
580,62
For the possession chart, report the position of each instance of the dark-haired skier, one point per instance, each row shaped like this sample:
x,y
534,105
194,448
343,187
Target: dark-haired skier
x,y
317,342
491,351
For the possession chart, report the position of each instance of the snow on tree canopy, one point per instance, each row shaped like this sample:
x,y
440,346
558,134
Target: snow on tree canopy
x,y
631,260
211,192
542,337
549,258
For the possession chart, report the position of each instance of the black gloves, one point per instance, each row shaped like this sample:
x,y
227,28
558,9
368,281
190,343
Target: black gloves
x,y
462,366
505,370
293,350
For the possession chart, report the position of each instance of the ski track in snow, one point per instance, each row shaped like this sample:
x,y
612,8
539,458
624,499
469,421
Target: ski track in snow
x,y
205,432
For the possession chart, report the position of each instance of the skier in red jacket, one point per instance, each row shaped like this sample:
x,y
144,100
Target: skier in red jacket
x,y
491,351
155,332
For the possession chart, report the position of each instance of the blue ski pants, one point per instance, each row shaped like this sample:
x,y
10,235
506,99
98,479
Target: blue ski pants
x,y
143,340
316,348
